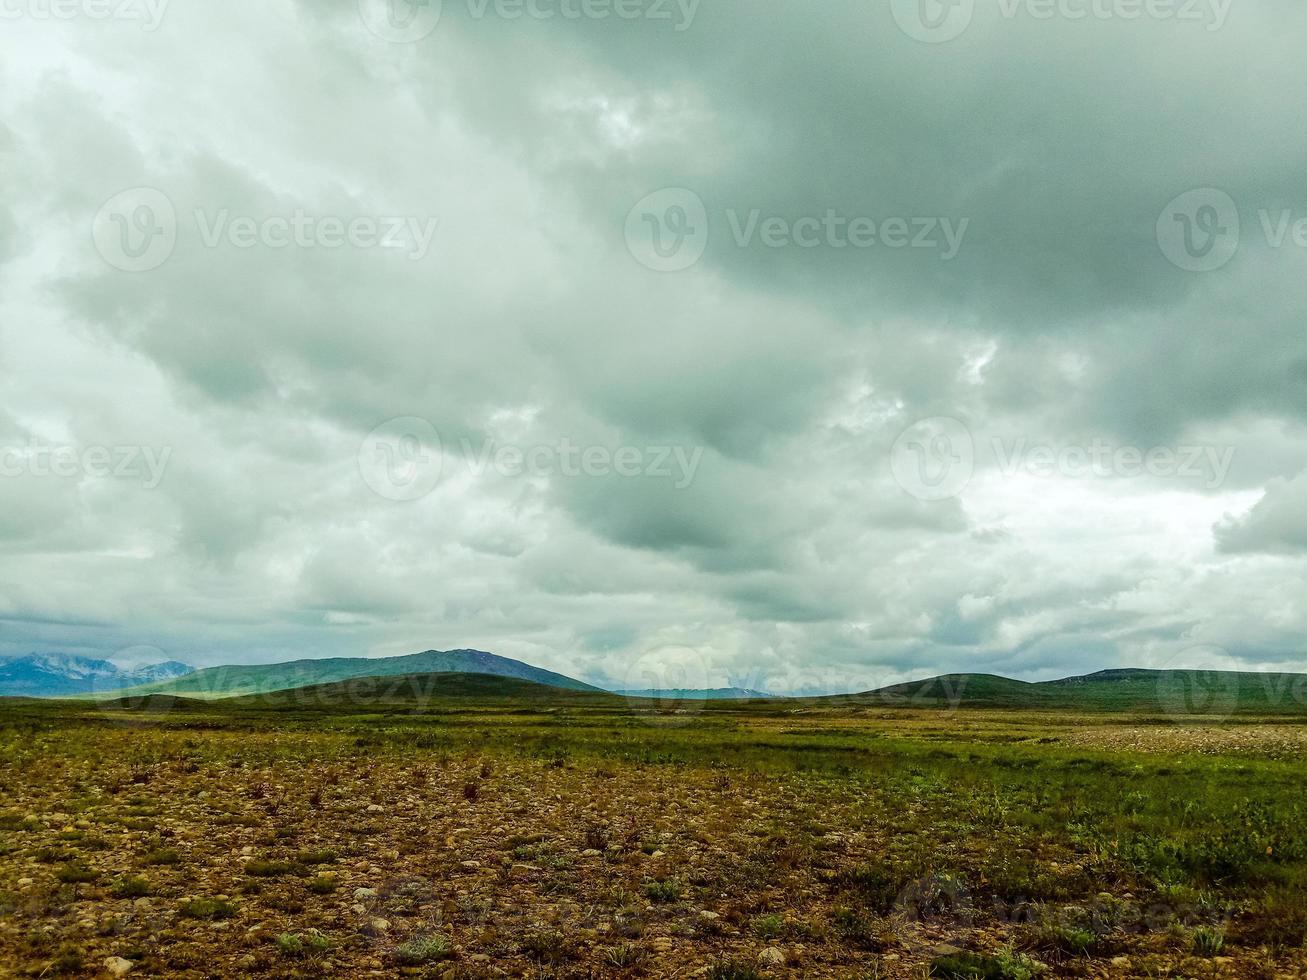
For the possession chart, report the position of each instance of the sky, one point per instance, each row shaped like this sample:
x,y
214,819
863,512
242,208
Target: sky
x,y
798,346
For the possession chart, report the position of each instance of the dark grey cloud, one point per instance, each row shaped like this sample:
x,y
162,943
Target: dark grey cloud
x,y
795,556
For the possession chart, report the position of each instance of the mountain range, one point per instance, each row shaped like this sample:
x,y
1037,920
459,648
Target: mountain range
x,y
52,675
447,673
712,694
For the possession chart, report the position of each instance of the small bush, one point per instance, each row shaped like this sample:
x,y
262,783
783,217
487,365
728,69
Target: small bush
x,y
272,869
731,970
69,959
769,926
323,884
424,949
76,873
1208,941
1065,938
663,892
625,956
207,908
972,966
294,945
164,855
547,947
134,887
861,931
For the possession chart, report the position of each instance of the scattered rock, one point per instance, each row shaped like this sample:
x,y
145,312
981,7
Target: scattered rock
x,y
771,958
118,967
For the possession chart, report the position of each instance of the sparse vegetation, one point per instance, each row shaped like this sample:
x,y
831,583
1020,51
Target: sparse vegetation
x,y
208,909
663,891
133,887
295,945
424,949
755,841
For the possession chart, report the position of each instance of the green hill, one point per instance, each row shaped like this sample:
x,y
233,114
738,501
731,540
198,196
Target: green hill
x,y
415,691
221,682
1192,692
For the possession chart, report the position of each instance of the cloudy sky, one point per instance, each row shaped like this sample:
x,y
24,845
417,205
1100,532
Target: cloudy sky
x,y
810,346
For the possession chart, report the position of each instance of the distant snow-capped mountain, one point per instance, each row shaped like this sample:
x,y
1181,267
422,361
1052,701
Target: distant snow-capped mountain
x,y
713,694
55,675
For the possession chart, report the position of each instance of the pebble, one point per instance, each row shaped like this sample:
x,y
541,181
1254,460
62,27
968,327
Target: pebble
x,y
118,966
24,882
362,893
771,957
376,808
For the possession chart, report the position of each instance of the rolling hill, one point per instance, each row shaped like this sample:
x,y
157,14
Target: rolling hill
x,y
222,682
1198,692
416,691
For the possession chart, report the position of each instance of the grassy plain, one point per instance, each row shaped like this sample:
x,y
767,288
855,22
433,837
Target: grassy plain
x,y
485,832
